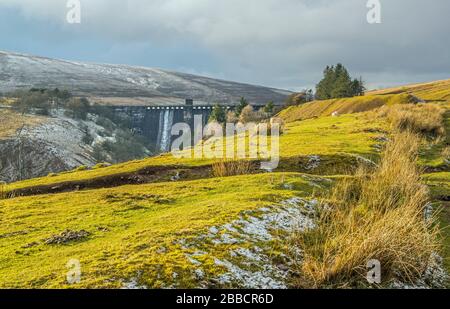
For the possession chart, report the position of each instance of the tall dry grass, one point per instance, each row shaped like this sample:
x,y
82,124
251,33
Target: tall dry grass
x,y
227,168
377,214
425,119
3,190
446,153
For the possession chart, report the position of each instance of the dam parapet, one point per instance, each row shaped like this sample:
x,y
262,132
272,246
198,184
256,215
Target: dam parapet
x,y
154,123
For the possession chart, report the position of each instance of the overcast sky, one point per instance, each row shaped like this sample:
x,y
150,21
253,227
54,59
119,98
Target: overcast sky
x,y
278,43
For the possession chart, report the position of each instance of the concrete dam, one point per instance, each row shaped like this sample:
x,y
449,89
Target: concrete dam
x,y
155,123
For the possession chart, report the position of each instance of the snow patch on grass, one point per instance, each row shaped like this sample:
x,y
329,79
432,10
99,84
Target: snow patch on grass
x,y
249,264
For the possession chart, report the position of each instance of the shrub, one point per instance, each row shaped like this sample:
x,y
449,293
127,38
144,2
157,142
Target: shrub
x,y
231,117
106,123
98,153
242,104
269,108
250,115
87,139
125,147
377,214
279,121
218,114
231,168
33,100
299,98
78,108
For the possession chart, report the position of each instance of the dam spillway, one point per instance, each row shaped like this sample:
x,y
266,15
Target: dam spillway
x,y
154,123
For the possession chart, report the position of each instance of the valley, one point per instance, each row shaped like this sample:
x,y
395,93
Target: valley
x,y
162,222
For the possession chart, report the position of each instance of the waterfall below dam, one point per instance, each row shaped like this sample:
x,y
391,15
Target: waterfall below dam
x,y
164,131
155,123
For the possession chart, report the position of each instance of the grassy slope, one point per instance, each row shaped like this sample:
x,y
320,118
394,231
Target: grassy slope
x,y
439,182
11,121
438,91
324,136
128,226
141,219
342,106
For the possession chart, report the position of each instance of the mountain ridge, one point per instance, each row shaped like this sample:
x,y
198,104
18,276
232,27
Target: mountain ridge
x,y
21,71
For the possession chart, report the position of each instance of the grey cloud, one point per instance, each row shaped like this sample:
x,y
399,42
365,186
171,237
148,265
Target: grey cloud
x,y
283,43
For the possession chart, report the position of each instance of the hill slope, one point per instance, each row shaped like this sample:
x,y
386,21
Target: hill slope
x,y
196,230
432,92
110,80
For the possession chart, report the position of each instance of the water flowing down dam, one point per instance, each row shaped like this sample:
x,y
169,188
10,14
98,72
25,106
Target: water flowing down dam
x,y
164,132
155,123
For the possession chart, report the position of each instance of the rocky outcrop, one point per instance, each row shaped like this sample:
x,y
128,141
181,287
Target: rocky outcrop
x,y
52,146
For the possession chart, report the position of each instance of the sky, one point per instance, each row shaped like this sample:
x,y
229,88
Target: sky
x,y
277,43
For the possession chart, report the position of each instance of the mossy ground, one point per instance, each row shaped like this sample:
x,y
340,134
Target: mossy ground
x,y
327,136
135,230
433,156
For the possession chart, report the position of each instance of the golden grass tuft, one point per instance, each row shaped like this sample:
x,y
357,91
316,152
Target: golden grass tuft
x,y
446,153
3,190
227,168
378,215
426,119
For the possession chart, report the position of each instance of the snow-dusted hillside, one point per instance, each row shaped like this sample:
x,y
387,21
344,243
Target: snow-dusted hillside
x,y
108,80
54,144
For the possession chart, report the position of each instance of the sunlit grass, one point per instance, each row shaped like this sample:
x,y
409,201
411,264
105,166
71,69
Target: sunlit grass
x,y
128,225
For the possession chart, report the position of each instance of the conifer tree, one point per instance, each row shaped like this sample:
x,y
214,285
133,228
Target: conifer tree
x,y
337,83
218,114
242,104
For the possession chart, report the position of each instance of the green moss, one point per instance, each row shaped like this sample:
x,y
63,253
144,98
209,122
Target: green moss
x,y
134,232
327,136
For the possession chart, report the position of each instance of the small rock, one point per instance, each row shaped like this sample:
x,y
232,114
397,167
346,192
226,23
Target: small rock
x,y
213,230
200,274
283,267
66,237
32,244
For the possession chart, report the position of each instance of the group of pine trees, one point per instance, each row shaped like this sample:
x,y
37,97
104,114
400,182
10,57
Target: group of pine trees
x,y
337,83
